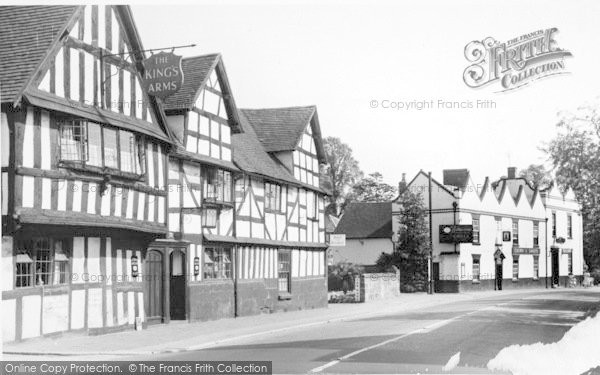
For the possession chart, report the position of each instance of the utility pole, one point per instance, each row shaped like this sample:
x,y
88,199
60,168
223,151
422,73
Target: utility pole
x,y
430,257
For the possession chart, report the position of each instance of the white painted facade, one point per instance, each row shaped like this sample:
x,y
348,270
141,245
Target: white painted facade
x,y
509,205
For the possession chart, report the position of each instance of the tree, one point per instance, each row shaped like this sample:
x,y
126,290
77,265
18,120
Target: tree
x,y
412,251
537,176
372,189
575,155
343,172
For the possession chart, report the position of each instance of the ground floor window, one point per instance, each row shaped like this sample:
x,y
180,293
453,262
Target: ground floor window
x,y
284,267
570,263
476,267
536,267
515,268
217,263
41,261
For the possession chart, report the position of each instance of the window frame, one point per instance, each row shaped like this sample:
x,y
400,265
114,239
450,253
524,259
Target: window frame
x,y
536,267
30,247
222,181
271,187
515,232
570,263
478,231
218,256
138,151
284,257
536,234
515,268
553,224
569,226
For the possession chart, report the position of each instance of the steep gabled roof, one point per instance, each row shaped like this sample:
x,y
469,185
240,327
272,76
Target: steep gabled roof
x,y
250,156
366,220
196,71
27,33
280,129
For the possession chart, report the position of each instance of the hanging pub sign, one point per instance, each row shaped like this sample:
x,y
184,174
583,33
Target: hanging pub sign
x,y
163,74
456,233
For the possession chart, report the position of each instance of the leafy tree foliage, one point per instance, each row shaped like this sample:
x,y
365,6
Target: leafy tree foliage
x,y
575,155
411,254
372,189
537,176
343,172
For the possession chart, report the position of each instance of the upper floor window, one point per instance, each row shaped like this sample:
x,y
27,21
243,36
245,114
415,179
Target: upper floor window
x,y
536,234
553,223
476,231
569,226
217,184
92,144
311,205
272,196
515,232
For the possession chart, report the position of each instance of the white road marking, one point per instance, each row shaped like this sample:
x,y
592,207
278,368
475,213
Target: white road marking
x,y
426,329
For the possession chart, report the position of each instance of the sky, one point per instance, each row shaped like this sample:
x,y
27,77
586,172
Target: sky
x,y
344,57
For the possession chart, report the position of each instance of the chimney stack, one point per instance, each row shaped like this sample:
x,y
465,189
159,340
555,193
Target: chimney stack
x,y
512,172
402,184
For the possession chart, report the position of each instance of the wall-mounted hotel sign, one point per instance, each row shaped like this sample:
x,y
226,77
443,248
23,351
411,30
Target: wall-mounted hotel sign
x,y
526,251
456,233
163,75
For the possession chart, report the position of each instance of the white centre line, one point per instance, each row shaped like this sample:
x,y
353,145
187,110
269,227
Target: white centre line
x,y
426,329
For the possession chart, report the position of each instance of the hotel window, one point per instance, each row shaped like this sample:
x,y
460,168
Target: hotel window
x,y
515,267
284,267
536,234
217,184
569,226
89,143
554,224
217,263
272,197
515,232
476,267
476,231
536,267
41,261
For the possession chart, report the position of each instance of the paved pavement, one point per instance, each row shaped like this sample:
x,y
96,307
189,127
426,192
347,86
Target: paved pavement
x,y
413,333
418,341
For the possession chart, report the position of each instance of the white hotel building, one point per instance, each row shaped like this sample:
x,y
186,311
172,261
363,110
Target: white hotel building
x,y
522,237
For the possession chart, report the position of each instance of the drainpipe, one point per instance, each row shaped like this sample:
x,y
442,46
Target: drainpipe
x,y
546,246
430,260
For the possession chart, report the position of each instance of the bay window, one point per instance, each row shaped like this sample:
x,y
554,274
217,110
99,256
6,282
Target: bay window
x,y
91,144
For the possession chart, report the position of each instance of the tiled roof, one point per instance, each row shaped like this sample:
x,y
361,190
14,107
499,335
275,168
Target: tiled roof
x,y
366,220
27,32
250,156
279,129
195,72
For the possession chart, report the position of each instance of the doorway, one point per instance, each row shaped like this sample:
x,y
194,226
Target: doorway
x,y
177,284
499,274
153,284
555,268
436,277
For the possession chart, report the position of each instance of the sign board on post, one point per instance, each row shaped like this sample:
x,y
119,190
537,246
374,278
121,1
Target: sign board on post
x,y
456,233
337,240
163,75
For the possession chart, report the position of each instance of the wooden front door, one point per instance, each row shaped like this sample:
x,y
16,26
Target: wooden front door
x,y
153,284
177,285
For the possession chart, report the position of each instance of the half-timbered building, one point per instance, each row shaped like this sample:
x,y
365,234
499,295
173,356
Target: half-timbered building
x,y
254,232
83,171
120,209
